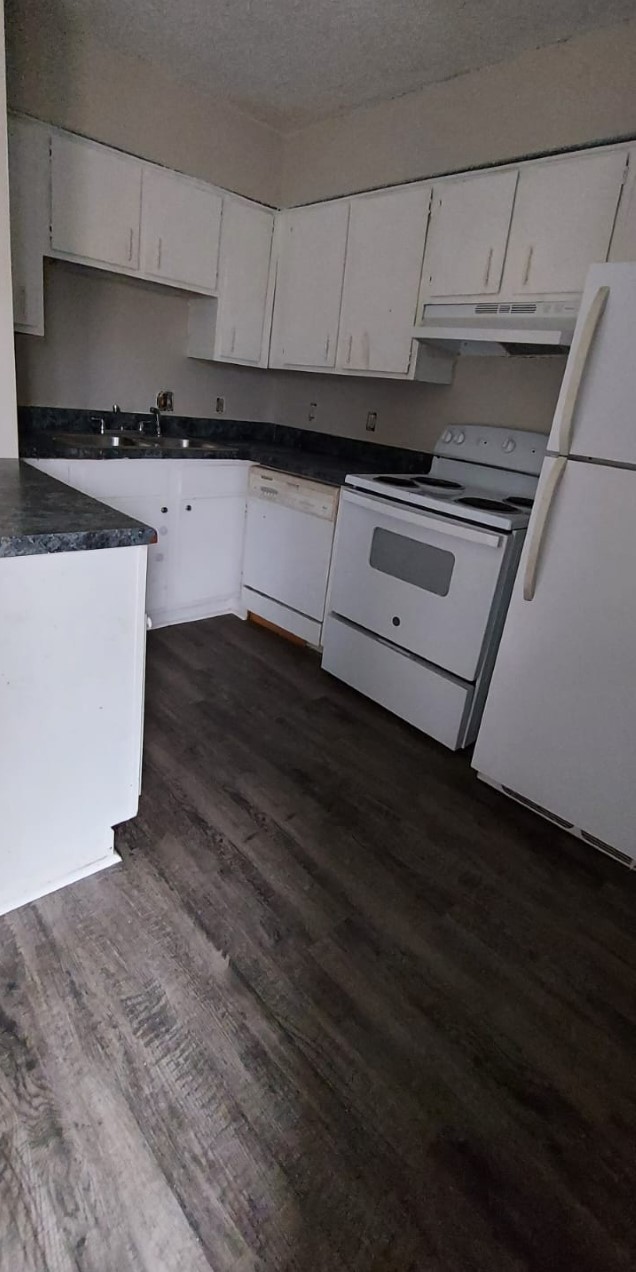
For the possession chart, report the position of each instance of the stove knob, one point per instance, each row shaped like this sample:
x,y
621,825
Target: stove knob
x,y
508,445
447,436
460,437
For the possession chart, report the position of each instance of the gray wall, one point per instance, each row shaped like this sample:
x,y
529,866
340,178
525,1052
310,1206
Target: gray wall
x,y
126,102
570,94
115,339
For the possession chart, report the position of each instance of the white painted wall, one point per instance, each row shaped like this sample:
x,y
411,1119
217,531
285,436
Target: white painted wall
x,y
518,392
8,423
569,94
112,339
126,102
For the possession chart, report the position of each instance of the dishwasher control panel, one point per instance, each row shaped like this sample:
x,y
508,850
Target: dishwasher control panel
x,y
300,493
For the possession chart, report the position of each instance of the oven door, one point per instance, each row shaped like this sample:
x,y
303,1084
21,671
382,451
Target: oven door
x,y
427,583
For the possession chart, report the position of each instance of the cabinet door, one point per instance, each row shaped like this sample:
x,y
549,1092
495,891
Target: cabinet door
x,y
385,246
246,248
467,236
623,247
29,195
158,515
562,222
206,569
180,230
312,247
95,202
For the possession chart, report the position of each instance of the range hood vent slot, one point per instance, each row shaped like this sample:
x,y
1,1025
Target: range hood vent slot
x,y
513,327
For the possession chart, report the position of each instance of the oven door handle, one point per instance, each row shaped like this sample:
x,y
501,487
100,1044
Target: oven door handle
x,y
418,517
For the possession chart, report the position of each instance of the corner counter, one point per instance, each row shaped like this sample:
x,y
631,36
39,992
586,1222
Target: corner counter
x,y
41,515
72,657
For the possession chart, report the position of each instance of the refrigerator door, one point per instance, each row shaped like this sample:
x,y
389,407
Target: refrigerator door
x,y
595,413
559,728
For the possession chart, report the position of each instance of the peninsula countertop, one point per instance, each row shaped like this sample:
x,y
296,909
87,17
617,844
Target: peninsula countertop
x,y
40,515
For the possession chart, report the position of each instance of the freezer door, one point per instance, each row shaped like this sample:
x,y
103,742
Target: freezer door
x,y
559,727
595,413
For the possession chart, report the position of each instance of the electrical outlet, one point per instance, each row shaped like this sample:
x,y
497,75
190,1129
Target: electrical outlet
x,y
165,400
372,419
220,406
312,412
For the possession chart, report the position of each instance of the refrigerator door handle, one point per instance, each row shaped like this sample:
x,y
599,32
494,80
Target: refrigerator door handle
x,y
577,367
540,523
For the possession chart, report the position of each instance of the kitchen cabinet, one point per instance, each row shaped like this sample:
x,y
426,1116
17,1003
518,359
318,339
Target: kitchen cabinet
x,y
311,246
153,511
180,230
235,328
29,196
95,203
562,222
467,235
208,553
72,647
385,246
623,245
197,508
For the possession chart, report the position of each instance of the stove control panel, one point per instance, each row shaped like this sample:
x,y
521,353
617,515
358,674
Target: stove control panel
x,y
517,449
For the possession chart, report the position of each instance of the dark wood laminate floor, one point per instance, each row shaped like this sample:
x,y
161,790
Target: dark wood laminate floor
x,y
420,1055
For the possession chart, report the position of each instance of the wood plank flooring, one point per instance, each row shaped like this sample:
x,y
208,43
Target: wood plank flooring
x,y
343,1007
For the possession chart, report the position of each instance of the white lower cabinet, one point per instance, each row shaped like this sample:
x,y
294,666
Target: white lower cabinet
x,y
208,553
197,508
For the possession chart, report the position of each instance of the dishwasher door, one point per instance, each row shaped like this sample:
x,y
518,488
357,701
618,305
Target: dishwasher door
x,y
288,541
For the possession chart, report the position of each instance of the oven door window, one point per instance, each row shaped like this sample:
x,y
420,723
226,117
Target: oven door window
x,y
421,564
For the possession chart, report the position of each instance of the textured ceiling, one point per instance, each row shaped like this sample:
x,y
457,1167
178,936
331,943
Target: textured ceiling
x,y
288,62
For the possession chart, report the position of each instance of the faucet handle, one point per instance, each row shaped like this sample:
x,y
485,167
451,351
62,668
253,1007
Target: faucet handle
x,y
99,419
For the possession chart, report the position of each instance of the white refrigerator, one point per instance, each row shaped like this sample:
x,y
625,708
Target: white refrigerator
x,y
559,728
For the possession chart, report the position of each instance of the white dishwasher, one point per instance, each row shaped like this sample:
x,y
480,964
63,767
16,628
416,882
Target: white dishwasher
x,y
288,542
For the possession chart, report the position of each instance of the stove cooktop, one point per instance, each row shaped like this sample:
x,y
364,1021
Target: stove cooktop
x,y
497,508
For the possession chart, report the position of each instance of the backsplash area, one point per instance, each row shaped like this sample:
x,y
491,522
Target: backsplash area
x,y
110,339
40,428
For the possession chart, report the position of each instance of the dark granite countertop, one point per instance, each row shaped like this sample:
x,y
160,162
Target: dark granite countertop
x,y
39,515
305,453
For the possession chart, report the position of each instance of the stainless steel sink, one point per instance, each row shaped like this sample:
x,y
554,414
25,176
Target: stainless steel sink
x,y
101,441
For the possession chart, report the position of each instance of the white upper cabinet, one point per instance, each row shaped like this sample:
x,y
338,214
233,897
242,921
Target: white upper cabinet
x,y
246,249
29,195
623,246
382,277
468,235
312,244
95,202
180,230
563,220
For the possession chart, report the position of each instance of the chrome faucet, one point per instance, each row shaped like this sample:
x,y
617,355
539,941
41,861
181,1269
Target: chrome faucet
x,y
154,410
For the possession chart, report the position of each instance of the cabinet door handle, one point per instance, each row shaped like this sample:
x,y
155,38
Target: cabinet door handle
x,y
159,252
526,272
164,509
327,343
487,271
233,339
349,349
130,243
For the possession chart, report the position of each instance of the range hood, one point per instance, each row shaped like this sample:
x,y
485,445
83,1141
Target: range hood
x,y
500,328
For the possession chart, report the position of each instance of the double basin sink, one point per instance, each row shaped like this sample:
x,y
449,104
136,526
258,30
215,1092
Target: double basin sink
x,y
137,441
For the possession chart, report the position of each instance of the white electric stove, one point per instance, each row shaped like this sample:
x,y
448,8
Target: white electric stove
x,y
422,572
